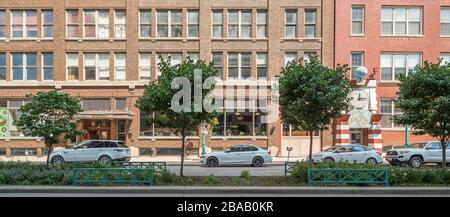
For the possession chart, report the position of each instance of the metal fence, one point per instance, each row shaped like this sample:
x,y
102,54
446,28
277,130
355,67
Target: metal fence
x,y
112,176
348,176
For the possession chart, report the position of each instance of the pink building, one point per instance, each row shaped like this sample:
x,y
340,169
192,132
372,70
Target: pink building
x,y
389,37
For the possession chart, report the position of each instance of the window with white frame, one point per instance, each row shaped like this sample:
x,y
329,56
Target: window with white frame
x,y
96,24
389,111
290,23
145,22
24,66
261,24
24,23
261,66
120,66
395,64
445,21
193,24
239,65
169,23
175,59
239,24
217,59
357,20
47,23
47,66
2,23
73,28
2,66
401,21
289,57
445,58
357,60
72,66
96,66
193,56
120,24
145,62
217,24
310,23
308,55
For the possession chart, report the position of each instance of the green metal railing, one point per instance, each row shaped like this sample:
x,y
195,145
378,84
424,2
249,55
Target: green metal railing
x,y
157,167
288,167
112,176
348,176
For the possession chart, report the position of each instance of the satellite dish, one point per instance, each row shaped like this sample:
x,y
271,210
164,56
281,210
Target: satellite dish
x,y
360,73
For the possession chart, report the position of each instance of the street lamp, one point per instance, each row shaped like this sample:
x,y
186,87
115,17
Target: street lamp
x,y
288,149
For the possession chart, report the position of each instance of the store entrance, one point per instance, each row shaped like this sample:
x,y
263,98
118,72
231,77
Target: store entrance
x,y
356,136
97,129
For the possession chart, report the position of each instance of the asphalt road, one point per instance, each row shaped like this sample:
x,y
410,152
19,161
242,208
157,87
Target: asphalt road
x,y
198,170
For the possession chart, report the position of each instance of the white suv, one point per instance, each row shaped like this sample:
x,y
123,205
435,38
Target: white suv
x,y
91,151
417,154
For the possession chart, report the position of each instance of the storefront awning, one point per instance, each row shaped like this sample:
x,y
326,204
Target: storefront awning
x,y
108,115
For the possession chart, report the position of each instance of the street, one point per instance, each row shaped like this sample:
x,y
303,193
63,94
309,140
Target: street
x,y
198,170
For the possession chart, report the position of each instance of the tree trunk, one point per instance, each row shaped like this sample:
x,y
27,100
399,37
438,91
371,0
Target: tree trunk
x,y
310,145
444,154
50,149
183,144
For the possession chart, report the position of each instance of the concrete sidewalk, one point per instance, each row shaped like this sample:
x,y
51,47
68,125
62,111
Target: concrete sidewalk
x,y
174,160
227,190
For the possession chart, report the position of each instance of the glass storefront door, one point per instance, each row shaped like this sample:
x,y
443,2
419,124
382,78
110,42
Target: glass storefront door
x,y
356,136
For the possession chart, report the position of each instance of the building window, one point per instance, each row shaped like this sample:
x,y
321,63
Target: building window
x,y
308,55
47,24
72,24
289,57
239,65
120,70
357,20
120,24
96,24
291,24
121,104
217,24
310,23
72,66
261,23
24,66
2,66
96,66
389,111
239,24
9,112
193,56
445,60
445,22
395,64
357,60
169,24
175,59
145,22
24,24
96,104
2,23
145,60
261,65
193,25
401,21
217,59
47,66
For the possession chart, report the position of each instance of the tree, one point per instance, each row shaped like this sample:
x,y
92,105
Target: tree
x,y
312,95
50,115
160,96
424,99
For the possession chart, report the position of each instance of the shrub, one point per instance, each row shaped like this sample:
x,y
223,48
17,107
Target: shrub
x,y
211,180
245,174
165,177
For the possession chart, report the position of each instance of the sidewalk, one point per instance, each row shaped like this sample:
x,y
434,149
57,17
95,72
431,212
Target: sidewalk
x,y
193,160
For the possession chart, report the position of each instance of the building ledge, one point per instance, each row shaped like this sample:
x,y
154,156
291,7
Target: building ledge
x,y
61,84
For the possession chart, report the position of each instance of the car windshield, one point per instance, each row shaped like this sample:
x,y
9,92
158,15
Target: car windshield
x,y
416,145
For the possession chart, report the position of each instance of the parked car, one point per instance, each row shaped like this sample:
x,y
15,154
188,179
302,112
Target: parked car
x,y
238,155
386,148
348,153
92,151
417,154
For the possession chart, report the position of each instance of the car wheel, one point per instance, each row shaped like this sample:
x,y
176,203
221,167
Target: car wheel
x,y
212,162
57,160
371,161
415,162
328,159
258,162
104,159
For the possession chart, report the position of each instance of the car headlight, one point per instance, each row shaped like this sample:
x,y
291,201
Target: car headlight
x,y
403,152
317,155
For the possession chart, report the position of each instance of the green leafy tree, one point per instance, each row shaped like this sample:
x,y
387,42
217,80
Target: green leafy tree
x,y
158,96
51,116
312,95
424,99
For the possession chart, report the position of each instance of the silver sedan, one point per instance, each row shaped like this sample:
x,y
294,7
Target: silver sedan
x,y
349,153
238,155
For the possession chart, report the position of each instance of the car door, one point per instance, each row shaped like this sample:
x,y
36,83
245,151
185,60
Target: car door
x,y
359,154
79,152
433,152
247,154
95,148
232,154
344,154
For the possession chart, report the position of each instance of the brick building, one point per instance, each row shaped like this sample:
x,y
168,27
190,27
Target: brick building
x,y
106,51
